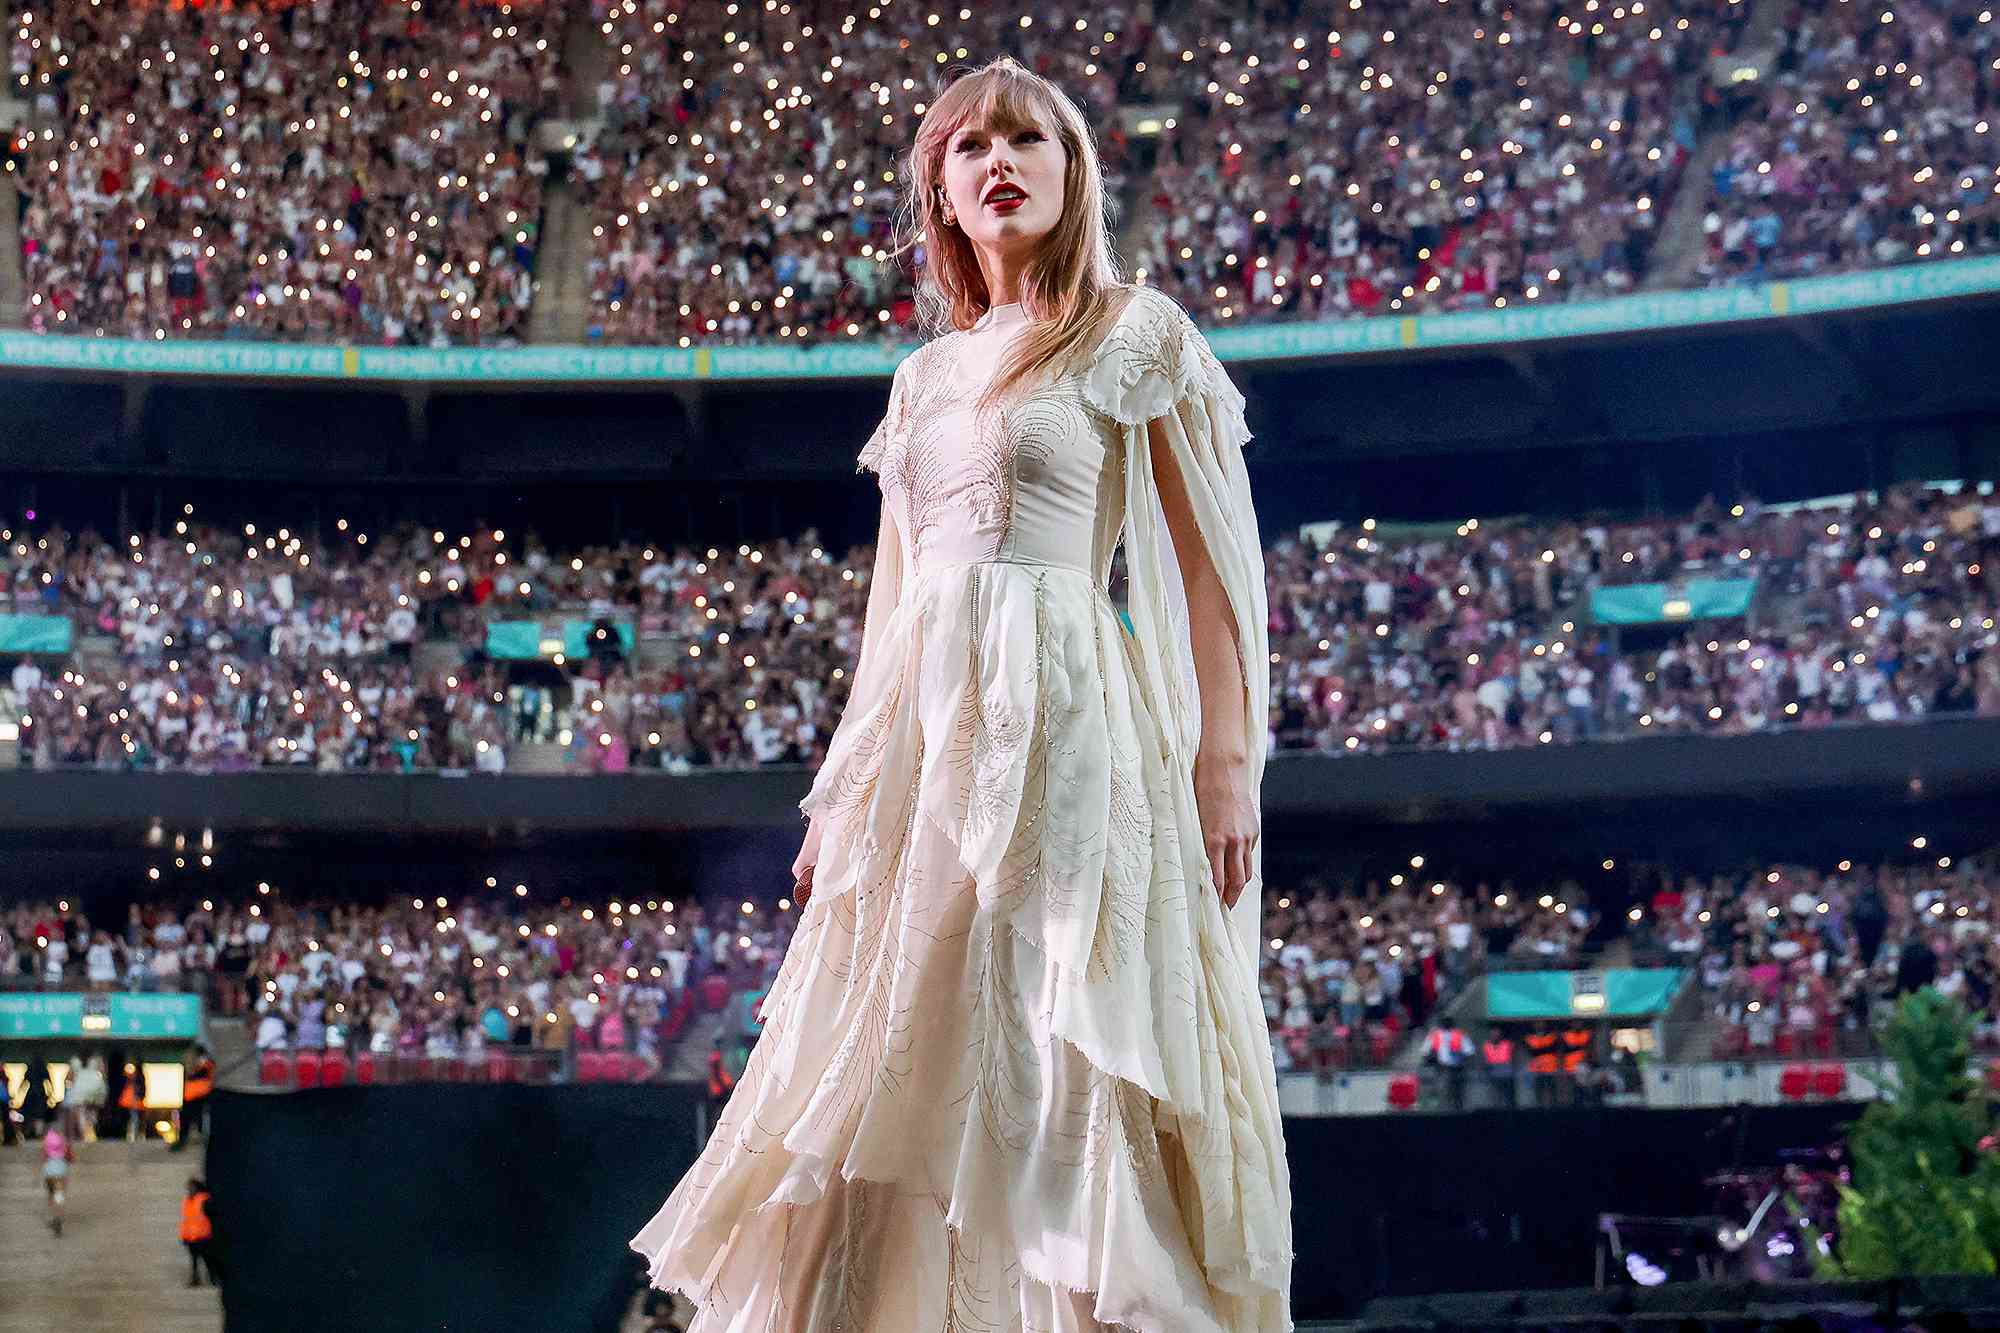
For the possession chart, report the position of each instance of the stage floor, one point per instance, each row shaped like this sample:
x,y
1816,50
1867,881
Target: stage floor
x,y
118,1266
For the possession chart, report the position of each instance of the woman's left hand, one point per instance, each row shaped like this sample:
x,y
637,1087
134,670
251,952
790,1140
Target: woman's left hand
x,y
1229,822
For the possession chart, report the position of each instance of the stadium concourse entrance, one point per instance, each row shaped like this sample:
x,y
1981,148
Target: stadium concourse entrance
x,y
429,1206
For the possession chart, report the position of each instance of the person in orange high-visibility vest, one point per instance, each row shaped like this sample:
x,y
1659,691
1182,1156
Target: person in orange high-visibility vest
x,y
1543,1064
198,1233
132,1100
1498,1052
1576,1049
720,1081
194,1099
1449,1049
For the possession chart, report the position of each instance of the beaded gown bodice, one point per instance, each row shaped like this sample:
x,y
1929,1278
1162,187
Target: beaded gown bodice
x,y
1034,480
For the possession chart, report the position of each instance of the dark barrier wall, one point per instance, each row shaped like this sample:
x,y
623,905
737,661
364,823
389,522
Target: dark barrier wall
x,y
1906,763
447,1208
440,1208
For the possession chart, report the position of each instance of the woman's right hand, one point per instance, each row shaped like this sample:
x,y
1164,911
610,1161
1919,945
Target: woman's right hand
x,y
803,863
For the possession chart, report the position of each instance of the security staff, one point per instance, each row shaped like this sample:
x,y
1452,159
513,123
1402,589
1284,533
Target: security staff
x,y
1498,1052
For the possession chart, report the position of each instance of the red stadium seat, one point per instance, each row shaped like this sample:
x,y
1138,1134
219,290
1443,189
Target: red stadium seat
x,y
364,1067
1733,1042
714,992
1787,1042
1822,1041
1403,1092
499,1067
306,1069
590,1066
1829,1080
1795,1082
333,1069
275,1068
1380,1042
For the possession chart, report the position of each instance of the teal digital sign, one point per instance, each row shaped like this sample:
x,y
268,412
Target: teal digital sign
x,y
161,1017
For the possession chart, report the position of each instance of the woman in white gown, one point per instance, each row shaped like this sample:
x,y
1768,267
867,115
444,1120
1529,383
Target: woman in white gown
x,y
1014,1073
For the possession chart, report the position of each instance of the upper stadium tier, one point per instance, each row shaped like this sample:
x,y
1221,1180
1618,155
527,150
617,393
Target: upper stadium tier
x,y
718,176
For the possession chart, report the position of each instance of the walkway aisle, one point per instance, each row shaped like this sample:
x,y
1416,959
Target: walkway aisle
x,y
118,1267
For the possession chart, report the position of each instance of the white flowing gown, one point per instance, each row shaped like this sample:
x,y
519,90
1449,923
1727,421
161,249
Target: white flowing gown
x,y
1014,1073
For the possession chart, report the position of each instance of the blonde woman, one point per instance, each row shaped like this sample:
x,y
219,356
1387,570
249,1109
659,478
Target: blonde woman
x,y
1014,1074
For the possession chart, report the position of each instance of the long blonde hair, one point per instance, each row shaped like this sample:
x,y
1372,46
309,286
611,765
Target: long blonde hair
x,y
1074,287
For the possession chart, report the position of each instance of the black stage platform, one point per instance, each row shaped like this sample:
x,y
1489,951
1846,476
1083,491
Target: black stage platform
x,y
446,1207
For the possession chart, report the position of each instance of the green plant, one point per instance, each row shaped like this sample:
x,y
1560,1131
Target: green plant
x,y
1925,1192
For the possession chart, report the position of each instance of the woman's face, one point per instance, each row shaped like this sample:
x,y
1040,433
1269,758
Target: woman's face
x,y
978,159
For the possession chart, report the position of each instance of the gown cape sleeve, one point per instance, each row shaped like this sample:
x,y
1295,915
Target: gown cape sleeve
x,y
1156,365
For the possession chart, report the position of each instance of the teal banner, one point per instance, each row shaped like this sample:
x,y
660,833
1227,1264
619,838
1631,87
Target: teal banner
x,y
525,640
34,634
863,359
114,1015
1658,603
1527,995
514,640
1619,993
1638,991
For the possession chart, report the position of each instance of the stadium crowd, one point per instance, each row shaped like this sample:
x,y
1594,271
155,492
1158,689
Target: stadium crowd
x,y
372,174
1793,958
1351,967
208,648
1875,610
1797,959
1872,144
1413,158
432,979
331,172
743,182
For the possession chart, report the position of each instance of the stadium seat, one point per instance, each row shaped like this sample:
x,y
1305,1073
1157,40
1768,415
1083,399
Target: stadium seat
x,y
499,1067
1403,1092
1732,1043
714,993
1786,1042
275,1068
364,1067
1795,1083
333,1070
1822,1040
590,1066
306,1069
1380,1042
1829,1080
